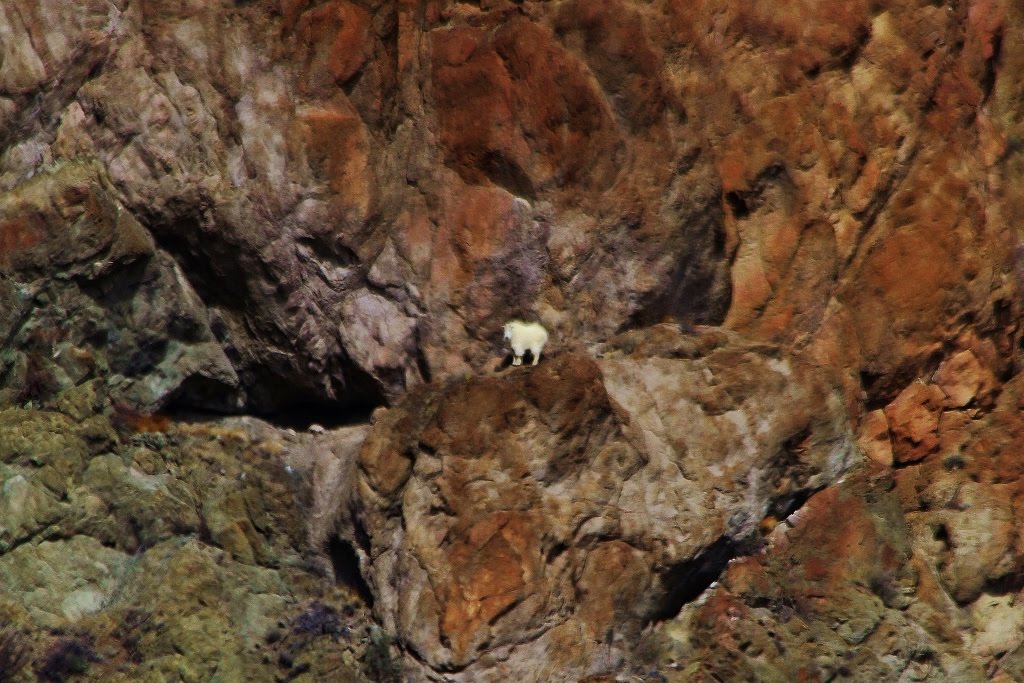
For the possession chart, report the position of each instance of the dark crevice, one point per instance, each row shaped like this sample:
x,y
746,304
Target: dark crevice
x,y
44,533
212,265
203,394
988,79
869,382
345,562
737,204
278,390
685,581
506,173
501,613
910,464
1010,584
276,398
335,253
796,443
328,415
883,192
298,416
848,58
784,506
422,363
555,551
883,387
929,104
845,58
745,202
360,534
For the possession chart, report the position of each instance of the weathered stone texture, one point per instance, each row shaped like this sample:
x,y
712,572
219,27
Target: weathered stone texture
x,y
362,192
767,239
891,575
552,514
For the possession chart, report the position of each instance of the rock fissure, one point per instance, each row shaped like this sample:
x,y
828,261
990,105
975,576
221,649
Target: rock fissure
x,y
686,581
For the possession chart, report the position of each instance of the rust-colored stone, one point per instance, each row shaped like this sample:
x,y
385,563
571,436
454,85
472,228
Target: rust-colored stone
x,y
913,419
253,206
873,437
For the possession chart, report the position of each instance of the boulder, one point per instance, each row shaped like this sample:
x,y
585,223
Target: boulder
x,y
532,523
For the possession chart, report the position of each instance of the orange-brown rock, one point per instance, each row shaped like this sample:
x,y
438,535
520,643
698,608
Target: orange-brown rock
x,y
913,419
879,576
964,380
554,512
825,177
270,205
874,438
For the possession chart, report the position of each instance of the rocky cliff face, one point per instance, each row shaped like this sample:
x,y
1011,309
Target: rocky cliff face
x,y
548,517
773,436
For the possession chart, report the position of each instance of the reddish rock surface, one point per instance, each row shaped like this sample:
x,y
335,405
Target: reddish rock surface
x,y
532,523
362,192
326,206
911,574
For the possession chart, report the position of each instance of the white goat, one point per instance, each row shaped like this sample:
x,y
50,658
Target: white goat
x,y
525,337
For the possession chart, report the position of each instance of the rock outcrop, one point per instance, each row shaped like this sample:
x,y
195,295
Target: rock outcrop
x,y
910,574
533,523
87,295
132,548
772,244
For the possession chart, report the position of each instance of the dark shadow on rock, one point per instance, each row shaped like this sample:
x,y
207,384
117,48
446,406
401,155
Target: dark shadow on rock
x,y
346,568
685,581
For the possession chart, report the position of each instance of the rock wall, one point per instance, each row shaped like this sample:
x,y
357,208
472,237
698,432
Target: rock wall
x,y
776,249
535,523
360,193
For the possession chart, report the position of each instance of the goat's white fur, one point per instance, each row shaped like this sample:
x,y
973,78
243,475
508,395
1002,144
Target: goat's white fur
x,y
525,336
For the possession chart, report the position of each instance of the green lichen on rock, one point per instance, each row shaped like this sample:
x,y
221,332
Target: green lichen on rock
x,y
171,553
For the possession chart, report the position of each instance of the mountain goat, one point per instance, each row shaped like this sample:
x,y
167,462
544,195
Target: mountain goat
x,y
525,336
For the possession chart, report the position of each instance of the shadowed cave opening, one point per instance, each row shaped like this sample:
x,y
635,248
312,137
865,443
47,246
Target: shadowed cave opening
x,y
222,274
346,568
298,416
685,581
276,399
283,398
